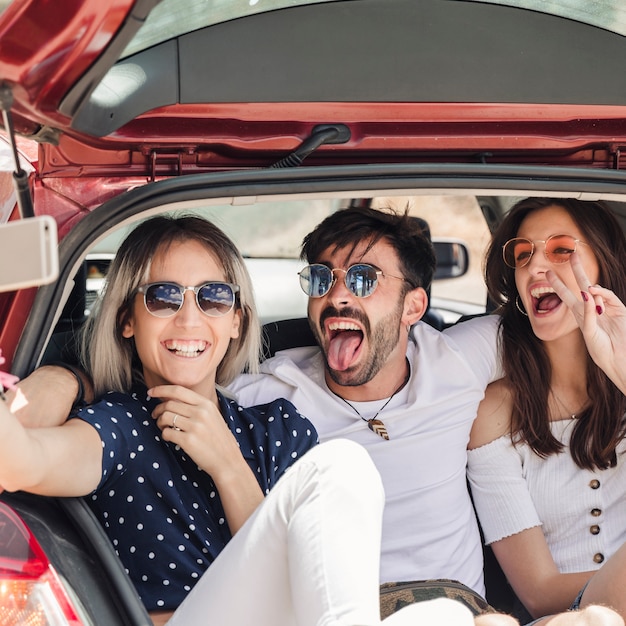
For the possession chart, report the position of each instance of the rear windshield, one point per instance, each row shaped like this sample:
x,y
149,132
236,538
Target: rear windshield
x,y
172,18
607,14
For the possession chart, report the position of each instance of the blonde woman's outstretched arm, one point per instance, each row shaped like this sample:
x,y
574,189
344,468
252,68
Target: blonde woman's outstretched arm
x,y
60,461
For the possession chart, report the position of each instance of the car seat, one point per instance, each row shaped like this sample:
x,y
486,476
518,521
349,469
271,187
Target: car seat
x,y
434,318
62,344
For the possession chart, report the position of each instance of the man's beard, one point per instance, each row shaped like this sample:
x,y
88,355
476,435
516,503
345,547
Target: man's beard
x,y
382,340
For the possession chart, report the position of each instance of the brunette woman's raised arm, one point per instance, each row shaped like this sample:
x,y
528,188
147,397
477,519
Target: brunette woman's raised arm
x,y
601,316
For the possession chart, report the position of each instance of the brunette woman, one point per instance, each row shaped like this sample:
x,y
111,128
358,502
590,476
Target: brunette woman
x,y
547,464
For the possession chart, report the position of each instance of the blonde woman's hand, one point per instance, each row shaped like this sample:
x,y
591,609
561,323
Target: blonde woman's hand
x,y
601,316
195,423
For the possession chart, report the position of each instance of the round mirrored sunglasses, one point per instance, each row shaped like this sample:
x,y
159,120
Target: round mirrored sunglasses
x,y
361,279
558,249
166,299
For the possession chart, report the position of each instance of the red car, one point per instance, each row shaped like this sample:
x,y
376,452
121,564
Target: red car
x,y
266,116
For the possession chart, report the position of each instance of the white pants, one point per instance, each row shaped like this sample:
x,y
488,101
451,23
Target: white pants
x,y
309,555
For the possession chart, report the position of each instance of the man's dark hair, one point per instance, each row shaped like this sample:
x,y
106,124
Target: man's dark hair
x,y
348,228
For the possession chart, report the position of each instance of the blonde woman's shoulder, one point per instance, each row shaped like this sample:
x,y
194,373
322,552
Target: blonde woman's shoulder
x,y
493,419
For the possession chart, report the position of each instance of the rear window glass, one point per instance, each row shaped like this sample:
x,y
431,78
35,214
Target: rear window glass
x,y
607,14
172,18
270,234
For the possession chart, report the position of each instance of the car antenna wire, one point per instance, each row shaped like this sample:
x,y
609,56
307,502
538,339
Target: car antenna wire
x,y
321,134
20,176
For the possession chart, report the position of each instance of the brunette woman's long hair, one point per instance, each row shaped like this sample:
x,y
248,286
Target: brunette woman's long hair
x,y
601,426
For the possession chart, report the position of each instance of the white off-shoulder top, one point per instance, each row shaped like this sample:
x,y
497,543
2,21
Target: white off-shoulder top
x,y
582,513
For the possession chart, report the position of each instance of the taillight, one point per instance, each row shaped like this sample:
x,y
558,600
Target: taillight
x,y
31,592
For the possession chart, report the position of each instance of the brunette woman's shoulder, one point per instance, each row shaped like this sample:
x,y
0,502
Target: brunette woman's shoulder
x,y
493,419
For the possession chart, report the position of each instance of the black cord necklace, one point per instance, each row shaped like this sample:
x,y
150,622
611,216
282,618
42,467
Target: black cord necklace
x,y
376,425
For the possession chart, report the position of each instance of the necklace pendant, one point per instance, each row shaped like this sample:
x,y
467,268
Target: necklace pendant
x,y
378,427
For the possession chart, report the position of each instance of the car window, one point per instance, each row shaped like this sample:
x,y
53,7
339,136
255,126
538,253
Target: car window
x,y
456,217
272,229
270,234
607,14
172,18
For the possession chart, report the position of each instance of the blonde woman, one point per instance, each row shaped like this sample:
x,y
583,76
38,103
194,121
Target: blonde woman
x,y
221,514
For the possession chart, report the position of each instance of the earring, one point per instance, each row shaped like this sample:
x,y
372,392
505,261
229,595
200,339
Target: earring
x,y
519,308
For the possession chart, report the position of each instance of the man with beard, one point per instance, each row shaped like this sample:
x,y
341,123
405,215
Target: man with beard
x,y
400,388
403,390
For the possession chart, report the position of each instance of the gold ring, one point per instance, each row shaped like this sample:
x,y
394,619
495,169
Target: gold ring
x,y
174,422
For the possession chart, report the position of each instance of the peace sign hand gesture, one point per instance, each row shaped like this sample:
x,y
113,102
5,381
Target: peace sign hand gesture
x,y
601,316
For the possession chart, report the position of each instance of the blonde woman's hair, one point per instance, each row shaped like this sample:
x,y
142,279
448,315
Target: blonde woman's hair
x,y
111,359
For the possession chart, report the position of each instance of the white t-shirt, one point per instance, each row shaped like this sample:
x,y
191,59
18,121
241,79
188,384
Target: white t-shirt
x,y
429,527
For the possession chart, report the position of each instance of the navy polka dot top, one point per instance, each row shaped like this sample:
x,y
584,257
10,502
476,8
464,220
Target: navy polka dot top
x,y
163,513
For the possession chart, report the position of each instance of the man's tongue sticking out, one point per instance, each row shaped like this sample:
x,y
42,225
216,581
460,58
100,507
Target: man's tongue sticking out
x,y
343,349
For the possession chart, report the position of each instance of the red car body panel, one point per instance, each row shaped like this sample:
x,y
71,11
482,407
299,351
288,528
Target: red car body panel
x,y
208,137
66,37
47,46
55,54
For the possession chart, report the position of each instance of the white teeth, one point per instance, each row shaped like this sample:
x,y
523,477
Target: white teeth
x,y
186,348
537,292
343,326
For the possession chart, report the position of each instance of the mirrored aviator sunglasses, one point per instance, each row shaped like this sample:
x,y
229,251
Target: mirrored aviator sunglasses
x,y
214,299
361,279
558,249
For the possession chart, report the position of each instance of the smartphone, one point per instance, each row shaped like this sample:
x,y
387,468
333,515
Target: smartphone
x,y
28,253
